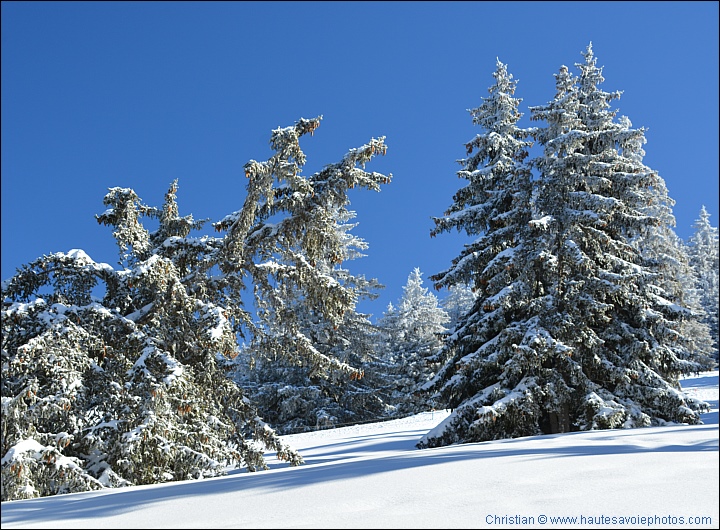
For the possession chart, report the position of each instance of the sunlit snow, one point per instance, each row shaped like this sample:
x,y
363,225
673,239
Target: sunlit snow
x,y
372,476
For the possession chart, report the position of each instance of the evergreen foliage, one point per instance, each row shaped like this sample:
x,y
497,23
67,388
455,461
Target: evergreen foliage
x,y
411,337
495,209
579,333
120,377
676,281
574,306
704,253
457,303
295,397
664,252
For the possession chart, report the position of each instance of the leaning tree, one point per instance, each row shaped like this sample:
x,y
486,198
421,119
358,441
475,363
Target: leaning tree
x,y
296,396
119,376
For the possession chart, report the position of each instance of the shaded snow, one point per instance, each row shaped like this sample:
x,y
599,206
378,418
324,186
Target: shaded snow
x,y
372,476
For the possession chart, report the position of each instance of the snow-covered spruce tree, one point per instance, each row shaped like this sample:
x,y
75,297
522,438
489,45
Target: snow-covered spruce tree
x,y
628,246
296,397
412,337
132,387
458,301
674,292
705,260
679,284
108,392
495,209
594,350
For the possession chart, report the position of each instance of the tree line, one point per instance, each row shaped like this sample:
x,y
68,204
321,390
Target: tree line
x,y
573,306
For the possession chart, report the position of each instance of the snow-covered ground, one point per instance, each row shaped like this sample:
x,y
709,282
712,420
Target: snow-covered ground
x,y
372,476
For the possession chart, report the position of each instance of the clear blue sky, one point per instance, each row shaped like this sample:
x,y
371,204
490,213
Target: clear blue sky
x,y
136,94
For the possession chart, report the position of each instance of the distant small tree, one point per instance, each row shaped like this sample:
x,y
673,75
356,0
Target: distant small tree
x,y
705,260
671,288
676,291
116,377
412,336
458,301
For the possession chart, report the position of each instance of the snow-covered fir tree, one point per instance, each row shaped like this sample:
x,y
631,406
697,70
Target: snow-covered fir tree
x,y
412,335
705,260
458,301
118,377
496,200
583,336
673,290
680,285
495,209
293,396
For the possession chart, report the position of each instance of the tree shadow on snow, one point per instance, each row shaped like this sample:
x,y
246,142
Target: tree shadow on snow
x,y
354,464
701,381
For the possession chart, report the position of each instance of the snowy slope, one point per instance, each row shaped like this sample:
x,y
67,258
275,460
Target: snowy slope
x,y
371,476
